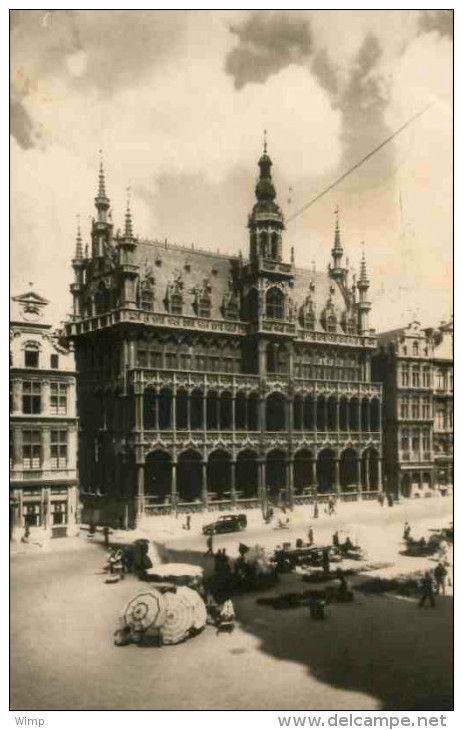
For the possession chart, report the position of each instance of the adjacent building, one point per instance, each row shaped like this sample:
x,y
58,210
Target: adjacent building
x,y
415,366
212,380
43,425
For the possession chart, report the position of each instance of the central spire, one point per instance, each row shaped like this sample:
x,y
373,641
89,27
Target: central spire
x,y
128,232
102,202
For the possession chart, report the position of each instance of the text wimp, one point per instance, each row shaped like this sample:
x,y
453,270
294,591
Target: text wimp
x,y
351,720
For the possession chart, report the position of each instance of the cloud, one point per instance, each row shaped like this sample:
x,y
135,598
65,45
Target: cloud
x,y
439,20
268,41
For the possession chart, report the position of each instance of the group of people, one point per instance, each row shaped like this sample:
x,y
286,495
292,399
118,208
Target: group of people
x,y
432,585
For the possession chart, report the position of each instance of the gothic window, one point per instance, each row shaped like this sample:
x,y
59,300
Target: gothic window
x,y
176,303
32,397
416,441
204,307
275,304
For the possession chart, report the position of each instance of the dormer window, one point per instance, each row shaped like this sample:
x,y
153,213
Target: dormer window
x,y
232,310
147,298
176,304
331,323
204,307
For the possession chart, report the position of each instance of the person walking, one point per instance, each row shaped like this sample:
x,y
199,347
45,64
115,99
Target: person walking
x,y
407,531
440,574
310,536
315,510
188,522
210,545
427,590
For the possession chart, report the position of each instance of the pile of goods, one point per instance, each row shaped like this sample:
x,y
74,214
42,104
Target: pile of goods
x,y
162,616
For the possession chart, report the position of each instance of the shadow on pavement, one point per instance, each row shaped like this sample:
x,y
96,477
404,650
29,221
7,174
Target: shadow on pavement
x,y
380,645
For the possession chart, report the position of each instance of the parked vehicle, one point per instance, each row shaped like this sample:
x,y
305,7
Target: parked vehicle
x,y
226,523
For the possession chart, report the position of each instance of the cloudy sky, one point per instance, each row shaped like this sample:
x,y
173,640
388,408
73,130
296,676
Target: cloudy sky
x,y
178,101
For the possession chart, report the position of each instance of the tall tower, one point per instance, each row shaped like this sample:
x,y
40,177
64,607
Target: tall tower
x,y
102,226
266,222
337,271
363,305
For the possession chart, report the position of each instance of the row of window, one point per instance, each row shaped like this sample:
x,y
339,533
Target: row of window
x,y
415,408
32,359
327,372
443,419
32,449
34,515
32,398
421,378
184,361
415,440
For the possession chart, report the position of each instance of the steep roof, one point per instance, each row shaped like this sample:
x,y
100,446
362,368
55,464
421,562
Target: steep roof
x,y
198,267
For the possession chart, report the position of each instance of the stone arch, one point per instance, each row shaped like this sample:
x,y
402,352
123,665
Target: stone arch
x,y
370,469
196,409
343,414
275,473
158,475
241,411
321,413
298,412
275,417
165,403
332,414
181,409
226,411
247,474
348,468
310,413
213,410
253,410
189,476
326,474
354,415
219,473
150,405
304,474
375,414
365,414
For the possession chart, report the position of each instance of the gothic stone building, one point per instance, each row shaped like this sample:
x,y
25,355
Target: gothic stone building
x,y
415,366
207,379
43,425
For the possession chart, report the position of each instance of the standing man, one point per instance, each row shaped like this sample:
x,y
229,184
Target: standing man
x,y
427,590
440,574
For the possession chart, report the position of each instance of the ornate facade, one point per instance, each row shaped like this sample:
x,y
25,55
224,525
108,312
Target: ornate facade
x,y
207,379
43,425
416,368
